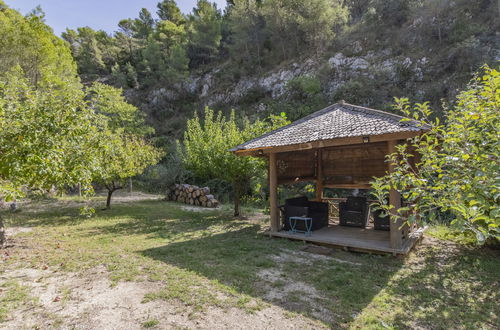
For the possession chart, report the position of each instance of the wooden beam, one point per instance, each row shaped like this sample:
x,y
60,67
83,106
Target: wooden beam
x,y
327,143
395,202
348,185
273,193
319,175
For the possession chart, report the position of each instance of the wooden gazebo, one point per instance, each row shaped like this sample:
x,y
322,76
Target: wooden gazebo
x,y
341,146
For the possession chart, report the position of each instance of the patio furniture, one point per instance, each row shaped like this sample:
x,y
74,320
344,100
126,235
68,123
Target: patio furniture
x,y
354,212
381,221
293,223
303,207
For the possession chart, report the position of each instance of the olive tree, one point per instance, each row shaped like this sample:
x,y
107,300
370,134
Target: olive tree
x,y
459,161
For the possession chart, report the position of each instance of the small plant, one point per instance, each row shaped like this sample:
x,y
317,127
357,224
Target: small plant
x,y
150,323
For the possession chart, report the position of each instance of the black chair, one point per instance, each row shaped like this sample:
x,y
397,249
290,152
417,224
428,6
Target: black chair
x,y
381,221
302,207
354,212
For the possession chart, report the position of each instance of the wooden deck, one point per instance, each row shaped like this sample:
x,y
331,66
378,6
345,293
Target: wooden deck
x,y
356,239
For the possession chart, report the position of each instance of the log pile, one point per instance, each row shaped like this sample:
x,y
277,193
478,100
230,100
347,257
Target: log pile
x,y
192,195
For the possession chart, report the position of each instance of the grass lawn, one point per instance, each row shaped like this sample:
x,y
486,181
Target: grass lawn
x,y
177,268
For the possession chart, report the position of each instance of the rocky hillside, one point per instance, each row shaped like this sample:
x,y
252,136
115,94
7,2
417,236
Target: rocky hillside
x,y
373,79
273,56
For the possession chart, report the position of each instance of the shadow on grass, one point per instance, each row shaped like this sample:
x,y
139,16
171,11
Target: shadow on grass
x,y
436,287
239,258
450,287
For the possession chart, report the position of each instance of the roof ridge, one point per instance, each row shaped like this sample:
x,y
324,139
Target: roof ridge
x,y
379,112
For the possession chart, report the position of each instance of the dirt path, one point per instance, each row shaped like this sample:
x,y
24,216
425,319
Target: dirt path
x,y
89,301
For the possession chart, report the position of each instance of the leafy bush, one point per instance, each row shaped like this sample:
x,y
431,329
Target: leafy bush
x,y
206,149
458,169
303,86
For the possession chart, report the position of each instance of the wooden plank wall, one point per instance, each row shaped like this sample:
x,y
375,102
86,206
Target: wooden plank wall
x,y
296,166
354,164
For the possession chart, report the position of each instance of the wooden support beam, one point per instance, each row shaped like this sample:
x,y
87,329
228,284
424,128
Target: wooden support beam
x,y
319,175
395,201
273,193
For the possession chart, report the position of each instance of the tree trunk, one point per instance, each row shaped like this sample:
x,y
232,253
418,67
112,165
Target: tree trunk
x,y
111,189
237,192
108,200
3,238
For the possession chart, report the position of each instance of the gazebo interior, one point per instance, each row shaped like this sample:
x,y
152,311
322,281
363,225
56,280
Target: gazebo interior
x,y
341,146
350,167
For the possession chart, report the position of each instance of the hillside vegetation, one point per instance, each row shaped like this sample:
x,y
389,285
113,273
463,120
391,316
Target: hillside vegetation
x,y
264,57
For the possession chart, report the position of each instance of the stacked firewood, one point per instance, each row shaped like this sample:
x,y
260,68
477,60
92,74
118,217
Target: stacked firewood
x,y
192,195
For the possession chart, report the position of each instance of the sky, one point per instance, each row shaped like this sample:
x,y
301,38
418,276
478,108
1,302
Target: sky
x,y
98,14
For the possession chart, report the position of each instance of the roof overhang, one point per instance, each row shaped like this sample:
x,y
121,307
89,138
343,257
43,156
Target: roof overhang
x,y
328,143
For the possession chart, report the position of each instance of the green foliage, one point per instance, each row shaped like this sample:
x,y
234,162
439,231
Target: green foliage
x,y
168,11
29,43
204,28
144,25
122,157
272,31
458,166
206,145
86,49
120,115
47,136
304,86
123,151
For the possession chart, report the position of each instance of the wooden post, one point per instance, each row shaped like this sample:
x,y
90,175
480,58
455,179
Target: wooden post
x,y
273,193
319,176
395,201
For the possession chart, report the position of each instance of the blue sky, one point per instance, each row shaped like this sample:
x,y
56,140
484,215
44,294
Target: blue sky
x,y
98,14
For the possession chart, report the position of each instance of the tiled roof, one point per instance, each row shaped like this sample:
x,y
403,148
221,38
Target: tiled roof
x,y
338,120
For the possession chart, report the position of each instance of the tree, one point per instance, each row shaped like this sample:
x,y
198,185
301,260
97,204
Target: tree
x,y
47,134
248,34
29,43
298,25
126,41
47,138
458,169
169,11
204,28
124,151
85,49
206,147
123,156
144,25
283,28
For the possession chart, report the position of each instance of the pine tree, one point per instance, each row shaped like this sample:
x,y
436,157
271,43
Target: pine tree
x,y
204,28
169,11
